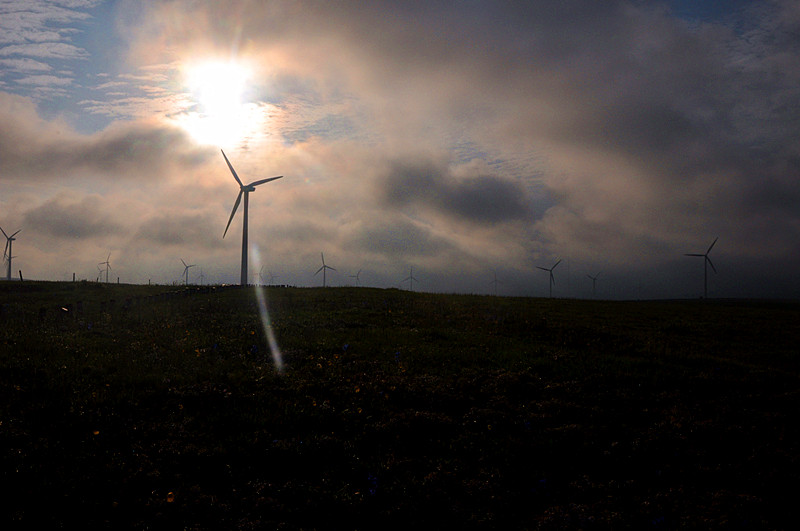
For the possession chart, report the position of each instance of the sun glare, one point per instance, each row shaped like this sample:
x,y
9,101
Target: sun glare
x,y
220,115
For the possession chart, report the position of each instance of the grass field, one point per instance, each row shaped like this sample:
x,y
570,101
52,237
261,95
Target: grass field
x,y
395,409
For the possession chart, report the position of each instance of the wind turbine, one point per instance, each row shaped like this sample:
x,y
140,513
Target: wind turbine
x,y
7,252
552,278
186,271
356,276
495,282
272,278
108,266
243,190
706,263
410,279
323,268
594,280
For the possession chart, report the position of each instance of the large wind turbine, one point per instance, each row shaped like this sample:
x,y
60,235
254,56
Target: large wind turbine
x,y
243,190
411,280
7,252
552,278
706,262
357,277
186,271
323,268
108,266
594,281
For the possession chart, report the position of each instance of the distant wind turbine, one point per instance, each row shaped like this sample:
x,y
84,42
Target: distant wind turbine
x,y
7,251
243,190
552,278
356,276
186,271
706,262
495,282
108,266
594,280
323,269
410,279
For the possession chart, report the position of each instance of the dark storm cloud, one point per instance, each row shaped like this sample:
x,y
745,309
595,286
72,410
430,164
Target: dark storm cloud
x,y
72,219
32,148
400,239
481,199
180,229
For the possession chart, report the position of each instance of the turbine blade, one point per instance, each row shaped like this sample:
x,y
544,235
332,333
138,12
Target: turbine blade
x,y
235,206
542,268
184,263
554,265
232,170
262,181
329,267
712,244
552,278
318,270
323,259
694,254
711,264
4,232
15,233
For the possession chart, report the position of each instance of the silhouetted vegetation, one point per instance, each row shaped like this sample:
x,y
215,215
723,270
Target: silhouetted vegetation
x,y
163,410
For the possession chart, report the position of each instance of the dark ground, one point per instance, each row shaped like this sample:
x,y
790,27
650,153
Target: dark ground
x,y
395,410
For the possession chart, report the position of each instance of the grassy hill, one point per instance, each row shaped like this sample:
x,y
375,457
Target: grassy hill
x,y
163,409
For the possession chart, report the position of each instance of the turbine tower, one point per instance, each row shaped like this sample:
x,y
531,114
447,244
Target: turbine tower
x,y
594,281
552,278
243,190
7,252
186,271
108,266
323,268
706,262
495,282
411,280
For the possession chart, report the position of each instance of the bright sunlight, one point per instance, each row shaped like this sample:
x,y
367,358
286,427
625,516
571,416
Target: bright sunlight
x,y
221,115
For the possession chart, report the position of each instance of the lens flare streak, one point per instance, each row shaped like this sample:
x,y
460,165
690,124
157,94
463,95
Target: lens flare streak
x,y
277,357
269,333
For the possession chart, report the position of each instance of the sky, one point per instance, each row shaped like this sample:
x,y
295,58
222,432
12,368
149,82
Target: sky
x,y
470,142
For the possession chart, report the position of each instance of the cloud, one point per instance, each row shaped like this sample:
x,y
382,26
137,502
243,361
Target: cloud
x,y
49,50
32,148
45,80
611,132
199,231
25,65
66,217
476,198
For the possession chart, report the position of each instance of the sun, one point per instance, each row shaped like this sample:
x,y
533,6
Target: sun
x,y
218,87
219,112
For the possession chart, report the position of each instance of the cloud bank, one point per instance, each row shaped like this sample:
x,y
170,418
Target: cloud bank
x,y
457,140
